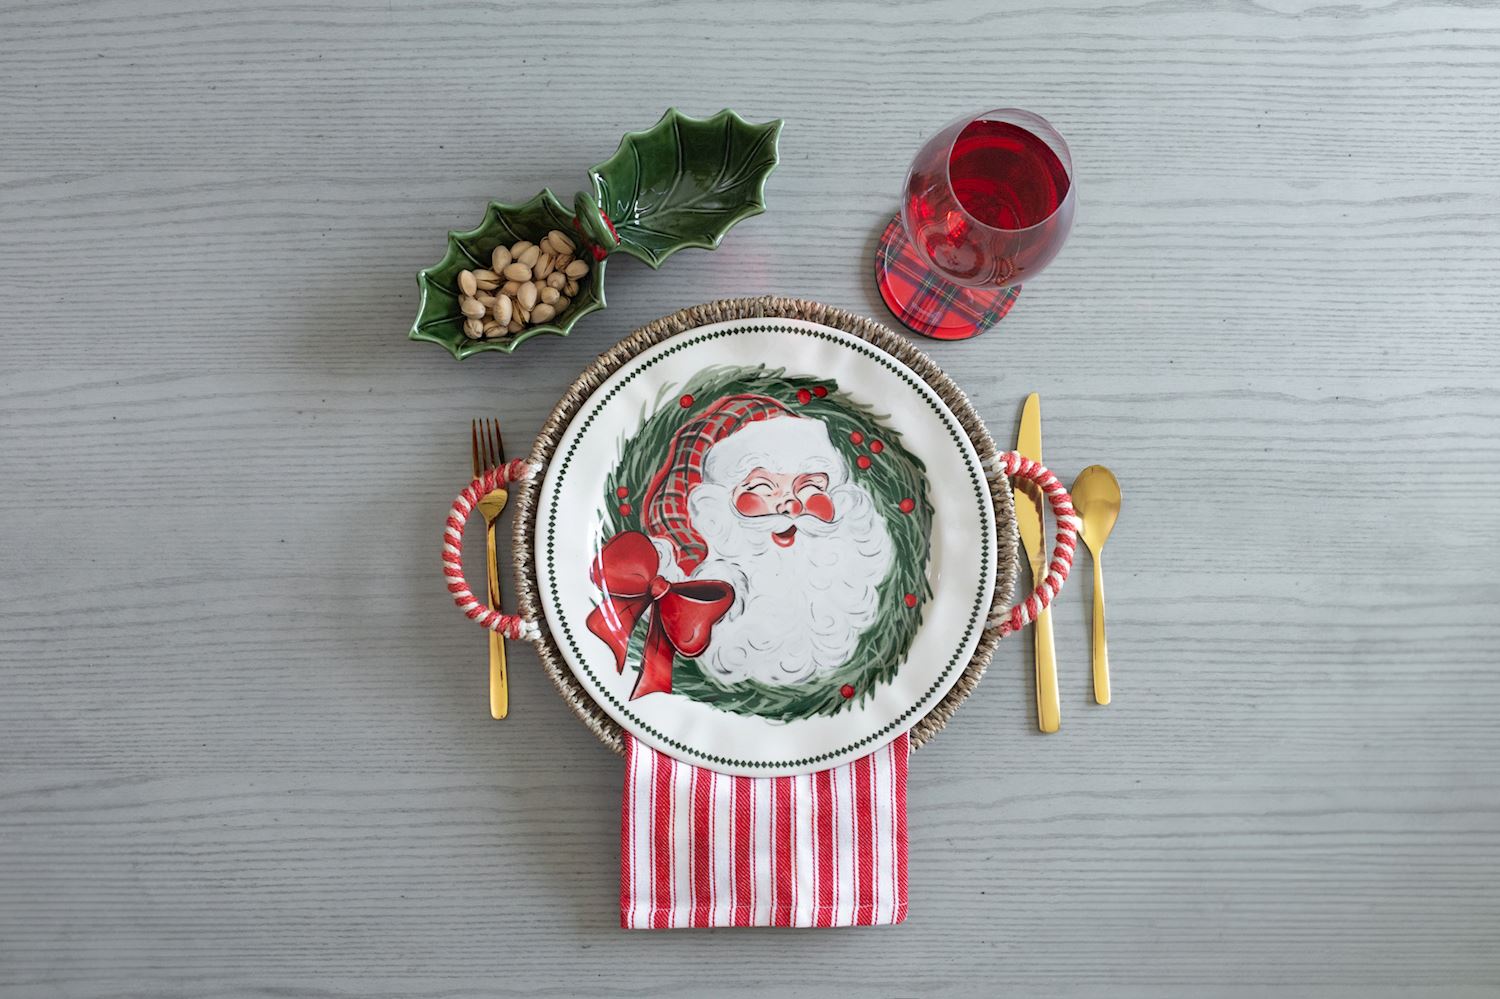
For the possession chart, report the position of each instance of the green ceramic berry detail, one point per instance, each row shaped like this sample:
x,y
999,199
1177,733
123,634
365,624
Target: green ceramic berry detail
x,y
592,223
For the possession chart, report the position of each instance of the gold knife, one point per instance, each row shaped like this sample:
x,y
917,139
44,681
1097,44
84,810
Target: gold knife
x,y
1033,539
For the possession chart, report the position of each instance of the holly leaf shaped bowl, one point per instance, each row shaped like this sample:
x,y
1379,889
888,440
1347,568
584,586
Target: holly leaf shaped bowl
x,y
438,317
685,182
682,183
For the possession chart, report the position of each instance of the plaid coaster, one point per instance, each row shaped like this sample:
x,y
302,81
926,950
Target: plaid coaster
x,y
925,302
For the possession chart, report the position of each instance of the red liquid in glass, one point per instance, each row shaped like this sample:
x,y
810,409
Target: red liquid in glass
x,y
1004,177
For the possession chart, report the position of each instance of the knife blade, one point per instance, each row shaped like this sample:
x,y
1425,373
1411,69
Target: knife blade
x,y
1033,532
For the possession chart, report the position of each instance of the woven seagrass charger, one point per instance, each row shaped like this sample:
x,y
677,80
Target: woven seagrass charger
x,y
524,544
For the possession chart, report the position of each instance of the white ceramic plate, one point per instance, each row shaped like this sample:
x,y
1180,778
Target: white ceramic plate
x,y
810,551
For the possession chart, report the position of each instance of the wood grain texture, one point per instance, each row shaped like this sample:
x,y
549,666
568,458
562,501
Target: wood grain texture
x,y
244,743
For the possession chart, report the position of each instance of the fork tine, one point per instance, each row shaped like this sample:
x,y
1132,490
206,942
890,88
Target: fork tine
x,y
489,446
486,458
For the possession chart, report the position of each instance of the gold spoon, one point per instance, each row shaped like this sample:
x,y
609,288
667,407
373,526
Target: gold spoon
x,y
1096,497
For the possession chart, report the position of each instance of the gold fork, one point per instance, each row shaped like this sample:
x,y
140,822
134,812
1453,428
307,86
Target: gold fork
x,y
489,452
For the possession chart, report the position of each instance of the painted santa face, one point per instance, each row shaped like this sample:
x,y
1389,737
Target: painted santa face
x,y
764,493
800,542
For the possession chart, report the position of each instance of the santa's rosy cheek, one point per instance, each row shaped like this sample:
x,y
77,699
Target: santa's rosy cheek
x,y
751,505
820,506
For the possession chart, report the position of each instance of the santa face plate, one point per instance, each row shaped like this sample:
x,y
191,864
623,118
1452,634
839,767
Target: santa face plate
x,y
765,547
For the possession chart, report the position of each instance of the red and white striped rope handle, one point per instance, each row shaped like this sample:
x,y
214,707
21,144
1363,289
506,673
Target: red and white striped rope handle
x,y
1011,463
1001,467
512,626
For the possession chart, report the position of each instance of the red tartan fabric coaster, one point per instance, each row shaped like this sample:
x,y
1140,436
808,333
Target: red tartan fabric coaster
x,y
924,301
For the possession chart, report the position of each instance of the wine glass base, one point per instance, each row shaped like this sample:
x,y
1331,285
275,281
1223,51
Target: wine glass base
x,y
928,303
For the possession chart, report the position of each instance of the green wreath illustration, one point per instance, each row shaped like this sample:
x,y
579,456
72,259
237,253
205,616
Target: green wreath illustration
x,y
872,449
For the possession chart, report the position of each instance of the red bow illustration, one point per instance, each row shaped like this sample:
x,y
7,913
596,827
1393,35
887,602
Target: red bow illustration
x,y
626,569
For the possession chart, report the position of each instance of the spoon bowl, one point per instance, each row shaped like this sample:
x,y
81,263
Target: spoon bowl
x,y
1096,497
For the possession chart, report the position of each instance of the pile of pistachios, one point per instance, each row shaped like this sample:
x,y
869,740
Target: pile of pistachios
x,y
526,284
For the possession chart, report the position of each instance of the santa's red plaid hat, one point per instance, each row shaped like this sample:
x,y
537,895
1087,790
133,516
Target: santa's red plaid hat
x,y
666,508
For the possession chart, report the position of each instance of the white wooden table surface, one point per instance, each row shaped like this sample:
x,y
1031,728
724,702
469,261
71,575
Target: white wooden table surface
x,y
244,745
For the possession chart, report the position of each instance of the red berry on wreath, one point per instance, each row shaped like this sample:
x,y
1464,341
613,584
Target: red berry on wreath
x,y
624,509
911,599
863,461
856,438
819,391
876,447
685,401
847,690
907,505
804,396
622,492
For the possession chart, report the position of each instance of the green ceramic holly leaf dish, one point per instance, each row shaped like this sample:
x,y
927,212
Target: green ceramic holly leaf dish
x,y
683,182
438,316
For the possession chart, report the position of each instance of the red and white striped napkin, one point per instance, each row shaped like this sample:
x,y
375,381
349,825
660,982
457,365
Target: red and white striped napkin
x,y
702,848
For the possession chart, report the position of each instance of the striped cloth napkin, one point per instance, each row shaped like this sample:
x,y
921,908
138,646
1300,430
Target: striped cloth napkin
x,y
701,848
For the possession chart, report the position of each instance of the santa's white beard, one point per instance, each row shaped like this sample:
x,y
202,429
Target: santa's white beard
x,y
798,611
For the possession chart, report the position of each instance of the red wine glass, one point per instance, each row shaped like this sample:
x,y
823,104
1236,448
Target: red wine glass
x,y
989,202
